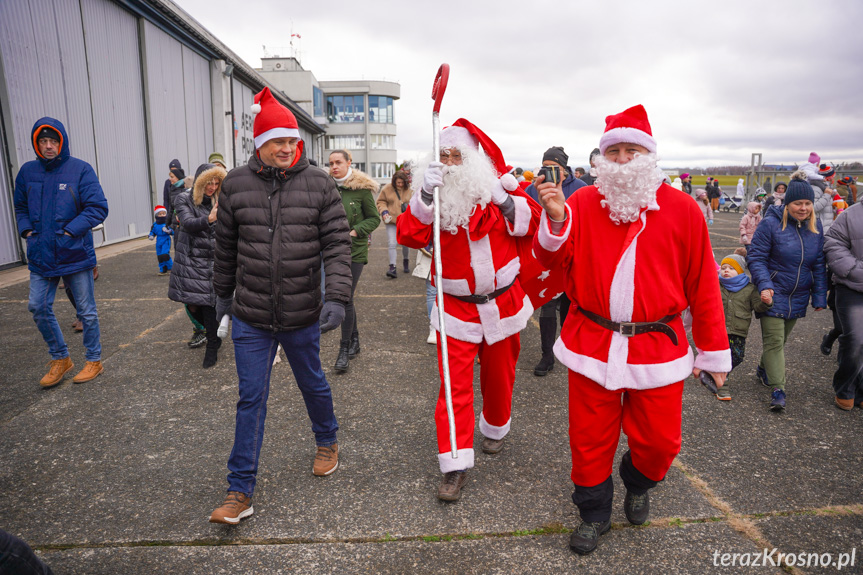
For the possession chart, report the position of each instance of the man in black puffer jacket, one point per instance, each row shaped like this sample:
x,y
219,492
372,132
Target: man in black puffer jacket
x,y
278,218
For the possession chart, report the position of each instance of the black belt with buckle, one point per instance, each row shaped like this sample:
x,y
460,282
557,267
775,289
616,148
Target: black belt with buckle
x,y
481,298
629,329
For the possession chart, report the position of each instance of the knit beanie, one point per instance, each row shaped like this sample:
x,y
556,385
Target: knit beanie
x,y
735,261
216,158
814,158
826,170
799,190
178,173
528,175
557,155
49,132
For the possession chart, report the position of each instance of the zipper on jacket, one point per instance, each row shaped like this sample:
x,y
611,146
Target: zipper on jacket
x,y
274,280
799,268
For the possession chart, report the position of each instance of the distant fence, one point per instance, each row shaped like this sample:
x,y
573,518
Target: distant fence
x,y
760,177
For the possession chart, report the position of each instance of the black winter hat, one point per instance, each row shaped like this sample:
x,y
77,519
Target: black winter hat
x,y
48,132
175,163
799,190
178,173
557,155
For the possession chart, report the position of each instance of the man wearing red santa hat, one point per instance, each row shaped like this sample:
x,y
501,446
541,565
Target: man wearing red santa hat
x,y
636,253
485,305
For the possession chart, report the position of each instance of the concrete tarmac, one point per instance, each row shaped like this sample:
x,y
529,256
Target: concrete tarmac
x,y
119,475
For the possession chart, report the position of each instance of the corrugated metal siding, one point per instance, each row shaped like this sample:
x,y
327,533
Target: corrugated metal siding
x,y
164,60
199,107
9,243
111,37
245,139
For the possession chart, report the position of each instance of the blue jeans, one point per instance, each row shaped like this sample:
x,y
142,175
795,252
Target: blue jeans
x,y
42,292
431,295
17,557
254,350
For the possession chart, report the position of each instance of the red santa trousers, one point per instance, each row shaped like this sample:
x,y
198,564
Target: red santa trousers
x,y
650,418
496,379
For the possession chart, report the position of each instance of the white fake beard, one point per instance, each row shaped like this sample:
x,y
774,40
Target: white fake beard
x,y
627,188
464,187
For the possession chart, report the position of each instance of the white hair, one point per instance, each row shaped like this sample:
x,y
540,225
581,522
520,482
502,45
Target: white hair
x,y
464,187
627,188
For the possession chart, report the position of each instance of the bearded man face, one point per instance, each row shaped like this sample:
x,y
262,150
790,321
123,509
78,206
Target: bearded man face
x,y
627,178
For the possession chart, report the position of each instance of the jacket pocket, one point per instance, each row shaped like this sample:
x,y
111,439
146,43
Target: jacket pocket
x,y
70,250
34,253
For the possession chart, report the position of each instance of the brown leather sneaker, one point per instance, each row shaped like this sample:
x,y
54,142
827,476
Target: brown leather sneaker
x,y
326,460
845,404
59,368
90,371
492,446
236,506
450,487
78,325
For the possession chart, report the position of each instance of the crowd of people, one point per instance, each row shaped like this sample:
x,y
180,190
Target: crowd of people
x,y
278,245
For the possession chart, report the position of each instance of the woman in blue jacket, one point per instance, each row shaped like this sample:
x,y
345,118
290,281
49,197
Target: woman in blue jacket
x,y
786,258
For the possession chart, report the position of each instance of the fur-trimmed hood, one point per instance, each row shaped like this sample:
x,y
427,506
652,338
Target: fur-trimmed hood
x,y
360,181
204,177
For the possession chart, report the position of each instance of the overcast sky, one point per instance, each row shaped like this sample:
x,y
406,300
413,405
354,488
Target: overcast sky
x,y
719,79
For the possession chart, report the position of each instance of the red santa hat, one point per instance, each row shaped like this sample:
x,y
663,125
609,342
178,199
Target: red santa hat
x,y
464,135
630,127
158,209
272,120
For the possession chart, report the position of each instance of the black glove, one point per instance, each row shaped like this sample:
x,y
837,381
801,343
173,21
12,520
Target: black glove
x,y
223,306
332,315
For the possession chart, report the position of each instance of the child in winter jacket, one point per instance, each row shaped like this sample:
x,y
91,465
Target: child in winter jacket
x,y
749,222
839,205
704,204
739,299
162,233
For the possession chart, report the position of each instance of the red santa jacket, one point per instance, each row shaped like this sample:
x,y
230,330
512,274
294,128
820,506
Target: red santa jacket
x,y
656,266
479,262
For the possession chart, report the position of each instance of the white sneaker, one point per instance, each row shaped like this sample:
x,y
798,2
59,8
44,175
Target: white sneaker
x,y
432,338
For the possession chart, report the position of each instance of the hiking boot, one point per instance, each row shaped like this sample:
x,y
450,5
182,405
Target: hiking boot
x,y
90,371
777,400
636,507
407,266
545,365
78,325
826,347
59,368
391,273
236,506
450,486
492,446
326,460
844,404
723,393
341,364
199,338
583,540
354,347
761,373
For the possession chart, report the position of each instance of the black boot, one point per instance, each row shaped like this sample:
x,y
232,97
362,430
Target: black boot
x,y
391,273
407,266
341,364
547,333
354,347
211,355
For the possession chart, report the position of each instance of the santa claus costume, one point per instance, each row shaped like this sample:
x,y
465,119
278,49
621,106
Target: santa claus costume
x,y
484,303
636,253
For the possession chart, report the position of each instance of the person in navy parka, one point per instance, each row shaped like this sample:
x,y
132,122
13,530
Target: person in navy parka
x,y
58,200
786,258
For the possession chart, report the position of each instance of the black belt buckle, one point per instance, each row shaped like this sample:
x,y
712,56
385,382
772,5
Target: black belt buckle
x,y
627,329
481,299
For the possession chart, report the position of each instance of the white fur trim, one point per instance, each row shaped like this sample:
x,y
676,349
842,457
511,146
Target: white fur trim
x,y
548,240
457,137
256,109
459,329
493,431
482,264
496,328
634,376
629,136
455,287
507,274
714,361
276,133
508,182
424,213
462,462
521,225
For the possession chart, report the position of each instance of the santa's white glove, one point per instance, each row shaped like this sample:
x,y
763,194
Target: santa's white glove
x,y
433,177
506,183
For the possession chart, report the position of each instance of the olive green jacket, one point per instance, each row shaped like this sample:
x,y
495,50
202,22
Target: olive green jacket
x,y
738,308
358,199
